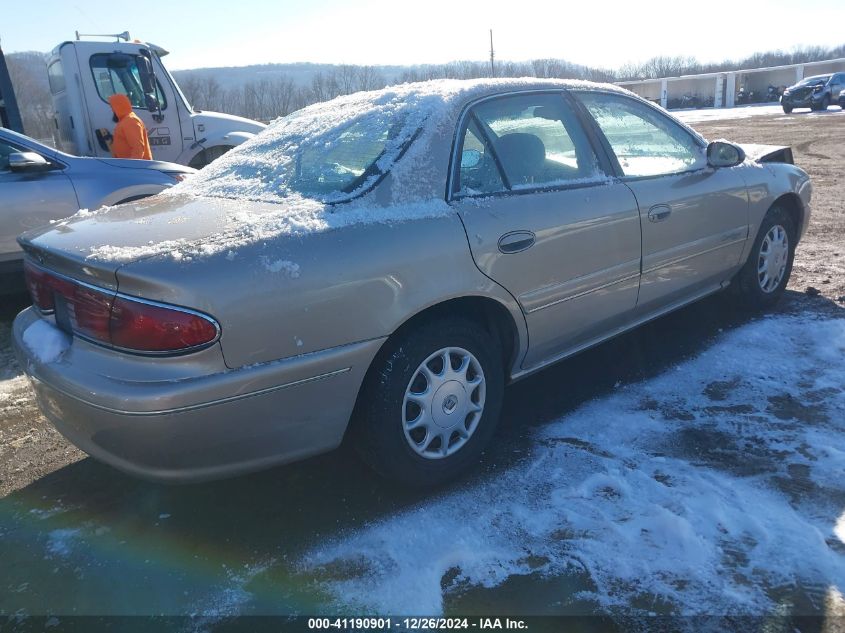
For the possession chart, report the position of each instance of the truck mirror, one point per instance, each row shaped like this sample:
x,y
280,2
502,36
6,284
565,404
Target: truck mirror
x,y
145,74
152,102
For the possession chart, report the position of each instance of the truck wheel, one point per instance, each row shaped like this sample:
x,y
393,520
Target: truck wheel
x,y
431,402
207,155
762,280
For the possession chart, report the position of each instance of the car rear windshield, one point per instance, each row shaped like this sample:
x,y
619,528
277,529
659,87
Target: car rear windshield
x,y
330,153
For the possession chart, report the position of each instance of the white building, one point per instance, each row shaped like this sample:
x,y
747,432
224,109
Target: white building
x,y
720,89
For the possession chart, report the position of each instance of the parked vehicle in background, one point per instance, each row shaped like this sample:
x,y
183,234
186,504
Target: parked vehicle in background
x,y
842,98
381,265
773,93
84,74
816,93
39,184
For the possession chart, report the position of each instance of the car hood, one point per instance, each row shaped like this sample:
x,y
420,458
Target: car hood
x,y
808,86
159,165
767,153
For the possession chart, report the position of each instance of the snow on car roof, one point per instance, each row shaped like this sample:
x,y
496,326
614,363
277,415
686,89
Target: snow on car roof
x,y
260,169
264,168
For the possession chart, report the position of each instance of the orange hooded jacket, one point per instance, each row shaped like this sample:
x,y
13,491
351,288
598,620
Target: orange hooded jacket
x,y
130,135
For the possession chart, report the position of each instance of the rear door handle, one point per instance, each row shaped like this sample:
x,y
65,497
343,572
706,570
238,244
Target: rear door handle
x,y
516,241
659,212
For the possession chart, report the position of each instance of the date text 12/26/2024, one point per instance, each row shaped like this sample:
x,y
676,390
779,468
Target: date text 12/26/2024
x,y
416,624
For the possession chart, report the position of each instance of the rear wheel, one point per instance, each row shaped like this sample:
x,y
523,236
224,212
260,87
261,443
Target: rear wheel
x,y
763,278
431,402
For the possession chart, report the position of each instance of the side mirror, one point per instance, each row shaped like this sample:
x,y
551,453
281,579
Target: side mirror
x,y
27,161
152,102
724,154
145,74
470,158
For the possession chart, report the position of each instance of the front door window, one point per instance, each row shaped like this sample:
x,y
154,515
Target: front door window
x,y
645,141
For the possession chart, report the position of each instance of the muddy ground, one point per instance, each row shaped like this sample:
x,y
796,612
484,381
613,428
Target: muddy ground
x,y
230,539
30,448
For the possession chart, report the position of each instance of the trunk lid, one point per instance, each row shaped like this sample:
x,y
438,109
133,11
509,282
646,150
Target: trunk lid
x,y
97,243
93,245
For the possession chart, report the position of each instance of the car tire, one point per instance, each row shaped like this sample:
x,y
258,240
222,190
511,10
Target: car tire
x,y
787,109
825,103
761,281
398,394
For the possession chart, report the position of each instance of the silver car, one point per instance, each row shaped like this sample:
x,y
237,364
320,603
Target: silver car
x,y
381,266
39,184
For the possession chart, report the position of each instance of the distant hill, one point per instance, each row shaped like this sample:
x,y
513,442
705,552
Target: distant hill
x,y
29,79
301,73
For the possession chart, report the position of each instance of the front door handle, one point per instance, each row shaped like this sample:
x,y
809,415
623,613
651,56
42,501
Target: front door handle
x,y
659,212
516,242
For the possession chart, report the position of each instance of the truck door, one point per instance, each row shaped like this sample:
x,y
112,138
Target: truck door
x,y
121,72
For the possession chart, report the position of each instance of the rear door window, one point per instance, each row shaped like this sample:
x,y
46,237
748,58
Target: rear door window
x,y
523,142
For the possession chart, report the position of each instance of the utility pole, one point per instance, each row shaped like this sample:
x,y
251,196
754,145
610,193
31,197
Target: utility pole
x,y
492,67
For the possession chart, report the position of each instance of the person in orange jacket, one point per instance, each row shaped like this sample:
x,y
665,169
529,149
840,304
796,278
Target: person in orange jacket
x,y
130,138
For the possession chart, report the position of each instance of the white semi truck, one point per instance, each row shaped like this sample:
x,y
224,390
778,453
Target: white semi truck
x,y
84,74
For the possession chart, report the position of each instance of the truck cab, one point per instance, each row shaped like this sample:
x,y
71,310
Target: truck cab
x,y
84,74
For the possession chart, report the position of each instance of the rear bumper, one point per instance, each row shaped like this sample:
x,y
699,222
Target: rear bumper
x,y
193,429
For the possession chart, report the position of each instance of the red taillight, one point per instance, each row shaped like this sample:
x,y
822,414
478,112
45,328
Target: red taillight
x,y
146,327
88,312
117,320
39,290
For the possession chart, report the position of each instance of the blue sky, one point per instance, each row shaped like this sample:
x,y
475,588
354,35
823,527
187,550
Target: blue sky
x,y
607,33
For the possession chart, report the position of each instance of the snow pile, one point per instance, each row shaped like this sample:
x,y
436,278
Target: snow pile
x,y
706,488
283,266
46,342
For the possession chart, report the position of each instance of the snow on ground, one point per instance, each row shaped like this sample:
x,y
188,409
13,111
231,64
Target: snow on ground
x,y
744,112
708,488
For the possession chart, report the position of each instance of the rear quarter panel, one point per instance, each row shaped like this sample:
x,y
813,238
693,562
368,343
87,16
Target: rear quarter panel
x,y
295,295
